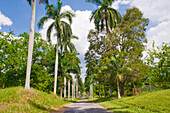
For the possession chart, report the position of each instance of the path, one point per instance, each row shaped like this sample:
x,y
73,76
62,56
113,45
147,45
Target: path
x,y
83,106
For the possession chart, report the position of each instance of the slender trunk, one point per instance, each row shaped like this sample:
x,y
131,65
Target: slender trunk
x,y
91,89
118,89
122,89
30,47
69,89
76,86
72,90
64,88
56,68
99,91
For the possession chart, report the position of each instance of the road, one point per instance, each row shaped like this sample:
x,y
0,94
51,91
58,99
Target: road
x,y
83,106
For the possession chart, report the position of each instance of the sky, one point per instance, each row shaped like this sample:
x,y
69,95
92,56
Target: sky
x,y
15,15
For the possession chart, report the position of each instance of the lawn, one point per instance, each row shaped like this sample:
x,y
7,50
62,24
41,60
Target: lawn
x,y
158,101
16,99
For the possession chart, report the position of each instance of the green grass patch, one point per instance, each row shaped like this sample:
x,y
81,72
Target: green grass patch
x,y
158,101
16,99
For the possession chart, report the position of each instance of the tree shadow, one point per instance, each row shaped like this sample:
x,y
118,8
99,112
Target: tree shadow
x,y
38,106
101,100
120,110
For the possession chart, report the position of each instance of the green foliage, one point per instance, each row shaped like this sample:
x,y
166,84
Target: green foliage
x,y
13,58
159,61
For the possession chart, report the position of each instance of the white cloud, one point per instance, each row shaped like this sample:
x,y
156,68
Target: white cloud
x,y
156,10
4,20
116,3
159,34
80,27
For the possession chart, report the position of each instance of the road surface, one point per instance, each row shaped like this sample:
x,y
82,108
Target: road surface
x,y
83,106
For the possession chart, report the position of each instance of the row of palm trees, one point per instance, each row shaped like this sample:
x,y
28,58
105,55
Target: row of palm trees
x,y
104,17
64,36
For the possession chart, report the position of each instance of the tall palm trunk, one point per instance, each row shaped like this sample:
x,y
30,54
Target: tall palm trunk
x,y
72,90
56,67
64,88
118,88
30,47
76,86
68,89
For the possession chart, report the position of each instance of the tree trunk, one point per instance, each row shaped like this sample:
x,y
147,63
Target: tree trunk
x,y
76,86
122,89
56,68
99,91
118,89
72,90
64,88
69,89
30,47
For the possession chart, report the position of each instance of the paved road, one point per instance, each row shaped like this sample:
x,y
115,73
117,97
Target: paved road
x,y
83,106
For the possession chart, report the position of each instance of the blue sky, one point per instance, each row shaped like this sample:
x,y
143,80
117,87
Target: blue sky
x,y
19,12
16,15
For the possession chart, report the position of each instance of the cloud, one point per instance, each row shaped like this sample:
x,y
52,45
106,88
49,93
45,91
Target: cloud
x,y
158,12
80,27
116,3
159,34
4,20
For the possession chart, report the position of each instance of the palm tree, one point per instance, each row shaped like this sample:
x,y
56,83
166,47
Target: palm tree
x,y
31,41
55,14
105,15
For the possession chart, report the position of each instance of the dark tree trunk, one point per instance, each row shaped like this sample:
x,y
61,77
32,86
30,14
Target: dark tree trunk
x,y
122,88
99,91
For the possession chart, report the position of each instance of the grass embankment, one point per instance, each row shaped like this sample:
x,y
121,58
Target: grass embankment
x,y
16,99
158,101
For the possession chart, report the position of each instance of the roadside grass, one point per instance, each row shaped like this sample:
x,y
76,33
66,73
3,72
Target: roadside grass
x,y
16,99
158,101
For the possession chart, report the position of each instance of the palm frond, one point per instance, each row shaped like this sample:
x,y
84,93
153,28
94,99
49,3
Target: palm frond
x,y
42,21
49,31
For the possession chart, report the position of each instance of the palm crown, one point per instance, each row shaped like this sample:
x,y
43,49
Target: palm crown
x,y
105,15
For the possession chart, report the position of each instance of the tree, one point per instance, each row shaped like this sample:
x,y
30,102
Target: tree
x,y
159,61
56,14
31,40
105,15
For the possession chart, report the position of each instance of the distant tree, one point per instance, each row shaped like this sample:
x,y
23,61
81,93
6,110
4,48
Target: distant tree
x,y
159,61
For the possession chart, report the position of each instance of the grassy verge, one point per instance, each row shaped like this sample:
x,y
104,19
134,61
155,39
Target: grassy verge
x,y
16,99
158,101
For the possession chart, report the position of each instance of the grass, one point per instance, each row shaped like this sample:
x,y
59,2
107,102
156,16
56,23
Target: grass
x,y
16,99
158,101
